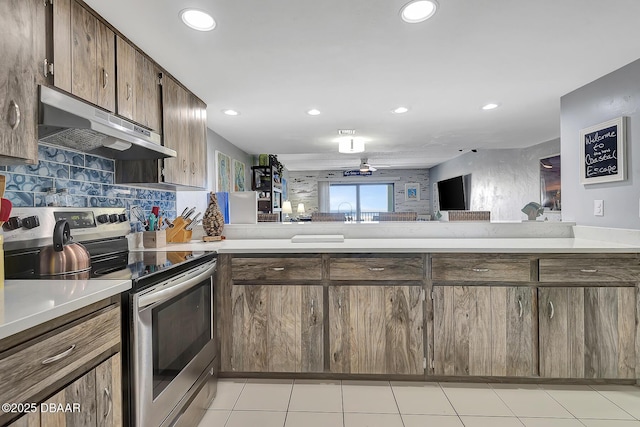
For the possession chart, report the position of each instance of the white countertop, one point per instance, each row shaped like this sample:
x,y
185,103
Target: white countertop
x,y
28,303
489,245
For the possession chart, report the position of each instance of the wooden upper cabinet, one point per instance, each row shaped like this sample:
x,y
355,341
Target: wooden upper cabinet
x,y
125,83
83,54
197,138
175,131
106,67
22,43
146,93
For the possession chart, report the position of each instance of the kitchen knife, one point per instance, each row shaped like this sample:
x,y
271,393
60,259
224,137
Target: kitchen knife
x,y
184,211
188,214
195,218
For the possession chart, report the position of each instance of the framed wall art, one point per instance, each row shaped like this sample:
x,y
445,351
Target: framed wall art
x,y
412,191
602,152
223,172
239,174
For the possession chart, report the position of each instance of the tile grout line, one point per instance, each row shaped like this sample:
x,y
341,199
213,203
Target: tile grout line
x,y
286,414
621,408
450,403
502,400
395,399
560,403
342,400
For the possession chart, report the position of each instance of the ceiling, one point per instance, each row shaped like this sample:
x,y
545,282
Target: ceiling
x,y
356,60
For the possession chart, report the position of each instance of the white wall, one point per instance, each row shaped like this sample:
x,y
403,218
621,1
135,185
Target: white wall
x,y
303,187
200,199
502,181
614,95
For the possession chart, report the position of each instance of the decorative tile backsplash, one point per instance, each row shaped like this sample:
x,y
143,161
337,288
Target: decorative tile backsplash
x,y
89,179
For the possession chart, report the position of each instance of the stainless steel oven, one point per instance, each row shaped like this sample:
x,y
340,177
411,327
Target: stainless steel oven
x,y
173,342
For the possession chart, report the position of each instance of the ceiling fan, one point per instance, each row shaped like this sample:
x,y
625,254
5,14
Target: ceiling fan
x,y
365,166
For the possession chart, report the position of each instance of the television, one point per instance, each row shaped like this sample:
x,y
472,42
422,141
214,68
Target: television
x,y
451,194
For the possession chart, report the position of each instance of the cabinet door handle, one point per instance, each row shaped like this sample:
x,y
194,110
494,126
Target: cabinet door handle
x,y
109,402
552,310
278,269
105,79
59,356
184,166
376,268
14,119
129,91
521,309
313,303
480,270
45,66
193,168
585,270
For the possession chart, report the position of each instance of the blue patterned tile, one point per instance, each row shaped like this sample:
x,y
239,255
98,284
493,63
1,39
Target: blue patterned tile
x,y
100,163
169,195
54,170
79,187
3,168
18,182
79,201
144,194
56,154
39,200
105,202
19,198
91,175
118,191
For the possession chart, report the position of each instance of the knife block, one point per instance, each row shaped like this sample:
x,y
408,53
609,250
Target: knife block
x,y
154,239
177,233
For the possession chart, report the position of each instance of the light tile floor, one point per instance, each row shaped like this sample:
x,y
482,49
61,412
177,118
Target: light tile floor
x,y
308,403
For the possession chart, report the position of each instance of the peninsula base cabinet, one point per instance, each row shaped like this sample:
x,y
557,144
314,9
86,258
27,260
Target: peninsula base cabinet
x,y
588,332
376,330
485,331
276,328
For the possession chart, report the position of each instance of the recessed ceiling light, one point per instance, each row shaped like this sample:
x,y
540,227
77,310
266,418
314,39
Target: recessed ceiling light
x,y
490,106
197,19
313,112
418,11
400,110
230,112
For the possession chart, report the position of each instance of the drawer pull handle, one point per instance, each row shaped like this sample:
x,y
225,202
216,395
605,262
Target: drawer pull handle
x,y
278,268
109,402
105,79
480,270
586,270
376,268
14,115
59,356
552,310
521,309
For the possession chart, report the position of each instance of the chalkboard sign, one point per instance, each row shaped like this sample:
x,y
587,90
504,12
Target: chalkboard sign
x,y
602,149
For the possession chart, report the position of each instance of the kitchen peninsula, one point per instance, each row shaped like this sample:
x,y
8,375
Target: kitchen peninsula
x,y
532,302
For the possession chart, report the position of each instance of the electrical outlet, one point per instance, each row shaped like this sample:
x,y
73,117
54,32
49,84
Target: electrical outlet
x,y
598,207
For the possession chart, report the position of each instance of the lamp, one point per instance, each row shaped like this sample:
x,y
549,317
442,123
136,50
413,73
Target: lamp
x,y
300,208
286,209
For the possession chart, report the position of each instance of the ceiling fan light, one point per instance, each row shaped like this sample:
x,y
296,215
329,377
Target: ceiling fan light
x,y
197,19
418,11
348,146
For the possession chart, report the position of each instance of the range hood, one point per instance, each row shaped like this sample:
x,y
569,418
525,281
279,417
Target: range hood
x,y
69,122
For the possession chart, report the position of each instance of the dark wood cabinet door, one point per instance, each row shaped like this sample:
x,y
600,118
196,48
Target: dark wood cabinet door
x,y
198,141
84,56
22,43
61,44
376,330
125,82
106,67
174,99
147,93
109,392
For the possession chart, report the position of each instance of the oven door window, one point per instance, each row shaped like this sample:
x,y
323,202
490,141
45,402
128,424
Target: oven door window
x,y
181,327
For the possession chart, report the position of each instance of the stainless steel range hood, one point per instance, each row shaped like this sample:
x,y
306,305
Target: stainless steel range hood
x,y
69,122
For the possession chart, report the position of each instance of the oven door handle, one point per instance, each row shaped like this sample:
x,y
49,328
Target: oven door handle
x,y
166,294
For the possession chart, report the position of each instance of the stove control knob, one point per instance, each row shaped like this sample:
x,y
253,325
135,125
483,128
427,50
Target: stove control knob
x,y
31,222
12,223
102,219
122,217
113,218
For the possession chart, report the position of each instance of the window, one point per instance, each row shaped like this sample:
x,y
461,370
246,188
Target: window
x,y
361,202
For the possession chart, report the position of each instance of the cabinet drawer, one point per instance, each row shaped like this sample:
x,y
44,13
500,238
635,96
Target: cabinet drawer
x,y
374,268
481,269
281,269
590,270
43,361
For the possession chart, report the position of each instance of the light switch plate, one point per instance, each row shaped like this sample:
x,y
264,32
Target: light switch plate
x,y
598,207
